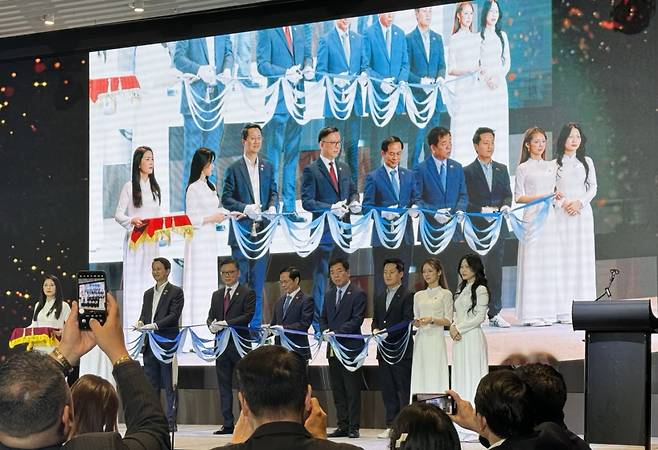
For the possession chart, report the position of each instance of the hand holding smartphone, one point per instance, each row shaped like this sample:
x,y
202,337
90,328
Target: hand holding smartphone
x,y
443,401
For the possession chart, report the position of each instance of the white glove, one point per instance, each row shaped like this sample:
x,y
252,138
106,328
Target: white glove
x,y
252,211
355,207
138,326
488,210
277,327
339,209
226,74
387,86
383,334
294,74
413,211
222,323
270,213
214,327
207,74
505,209
442,216
426,80
309,73
388,215
150,326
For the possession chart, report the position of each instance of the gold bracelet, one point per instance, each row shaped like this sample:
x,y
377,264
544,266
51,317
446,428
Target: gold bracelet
x,y
123,359
66,366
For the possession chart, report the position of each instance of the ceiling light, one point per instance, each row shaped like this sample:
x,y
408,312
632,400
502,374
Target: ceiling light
x,y
49,19
137,6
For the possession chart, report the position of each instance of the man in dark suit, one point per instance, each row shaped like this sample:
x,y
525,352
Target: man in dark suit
x,y
284,52
342,313
35,401
293,311
392,307
207,58
233,305
161,311
327,185
340,55
426,64
250,189
488,186
441,188
391,186
278,412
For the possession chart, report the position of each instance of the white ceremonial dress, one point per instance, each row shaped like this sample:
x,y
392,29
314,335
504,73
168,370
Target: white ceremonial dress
x,y
44,319
539,264
469,355
429,370
464,55
576,234
494,103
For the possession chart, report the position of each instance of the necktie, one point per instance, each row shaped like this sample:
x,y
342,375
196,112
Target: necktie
x,y
286,31
488,175
442,175
227,300
332,175
426,44
339,296
286,304
395,183
346,46
388,41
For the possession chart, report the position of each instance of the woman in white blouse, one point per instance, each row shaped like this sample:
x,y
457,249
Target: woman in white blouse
x,y
51,310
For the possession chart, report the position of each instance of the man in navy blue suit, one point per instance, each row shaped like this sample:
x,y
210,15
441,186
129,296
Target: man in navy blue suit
x,y
343,312
327,185
391,186
442,188
284,52
387,60
250,188
293,311
426,64
340,53
205,58
488,185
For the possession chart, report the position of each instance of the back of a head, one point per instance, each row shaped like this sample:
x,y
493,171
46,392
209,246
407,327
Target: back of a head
x,y
273,381
95,405
503,399
548,392
422,426
33,393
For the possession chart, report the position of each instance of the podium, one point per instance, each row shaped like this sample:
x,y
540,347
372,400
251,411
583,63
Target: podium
x,y
617,369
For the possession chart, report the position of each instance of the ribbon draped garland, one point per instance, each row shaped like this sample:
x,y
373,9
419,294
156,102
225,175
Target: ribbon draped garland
x,y
157,228
39,336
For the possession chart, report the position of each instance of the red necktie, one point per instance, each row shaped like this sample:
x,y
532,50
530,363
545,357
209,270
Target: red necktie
x,y
286,31
332,175
227,300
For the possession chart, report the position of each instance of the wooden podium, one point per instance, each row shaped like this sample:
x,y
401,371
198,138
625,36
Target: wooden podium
x,y
617,370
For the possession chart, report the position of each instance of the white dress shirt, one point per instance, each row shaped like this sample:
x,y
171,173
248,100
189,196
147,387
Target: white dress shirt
x,y
254,178
157,293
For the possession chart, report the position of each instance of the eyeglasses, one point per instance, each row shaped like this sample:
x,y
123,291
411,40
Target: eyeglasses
x,y
228,272
334,143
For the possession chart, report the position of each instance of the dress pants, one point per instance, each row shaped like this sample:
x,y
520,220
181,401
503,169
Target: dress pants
x,y
395,382
159,376
225,366
493,268
346,387
380,254
253,273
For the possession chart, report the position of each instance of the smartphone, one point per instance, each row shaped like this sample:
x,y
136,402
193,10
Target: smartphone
x,y
443,401
91,297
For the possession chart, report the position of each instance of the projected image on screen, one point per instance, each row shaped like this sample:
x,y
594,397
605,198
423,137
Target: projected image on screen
x,y
400,73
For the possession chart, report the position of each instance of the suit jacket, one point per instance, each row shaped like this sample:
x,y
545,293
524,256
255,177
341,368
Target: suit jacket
x,y
347,317
379,192
318,193
331,60
298,317
167,315
400,310
238,192
273,56
190,54
479,194
420,66
548,435
377,62
432,195
286,436
240,310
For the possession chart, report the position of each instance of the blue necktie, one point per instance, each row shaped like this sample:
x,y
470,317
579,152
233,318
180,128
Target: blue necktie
x,y
395,183
388,41
339,296
346,46
286,304
442,175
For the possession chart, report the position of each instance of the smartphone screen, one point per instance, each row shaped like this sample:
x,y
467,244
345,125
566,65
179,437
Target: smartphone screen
x,y
91,297
443,401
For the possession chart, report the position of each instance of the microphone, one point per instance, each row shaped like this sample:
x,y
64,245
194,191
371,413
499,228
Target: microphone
x,y
614,271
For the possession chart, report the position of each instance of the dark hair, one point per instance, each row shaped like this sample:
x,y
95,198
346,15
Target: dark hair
x,y
486,7
525,145
460,6
390,140
95,405
581,153
326,131
475,263
33,393
165,262
228,260
247,127
548,392
136,177
435,134
293,272
426,426
59,299
341,261
479,132
434,262
202,157
503,399
286,386
399,265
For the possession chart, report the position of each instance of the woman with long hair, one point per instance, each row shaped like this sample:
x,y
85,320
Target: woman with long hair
x,y
200,278
95,405
576,180
464,63
51,310
539,252
432,312
139,200
423,426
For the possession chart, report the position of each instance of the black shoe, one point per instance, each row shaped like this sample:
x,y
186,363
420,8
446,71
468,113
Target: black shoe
x,y
173,427
295,218
338,432
224,430
353,434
